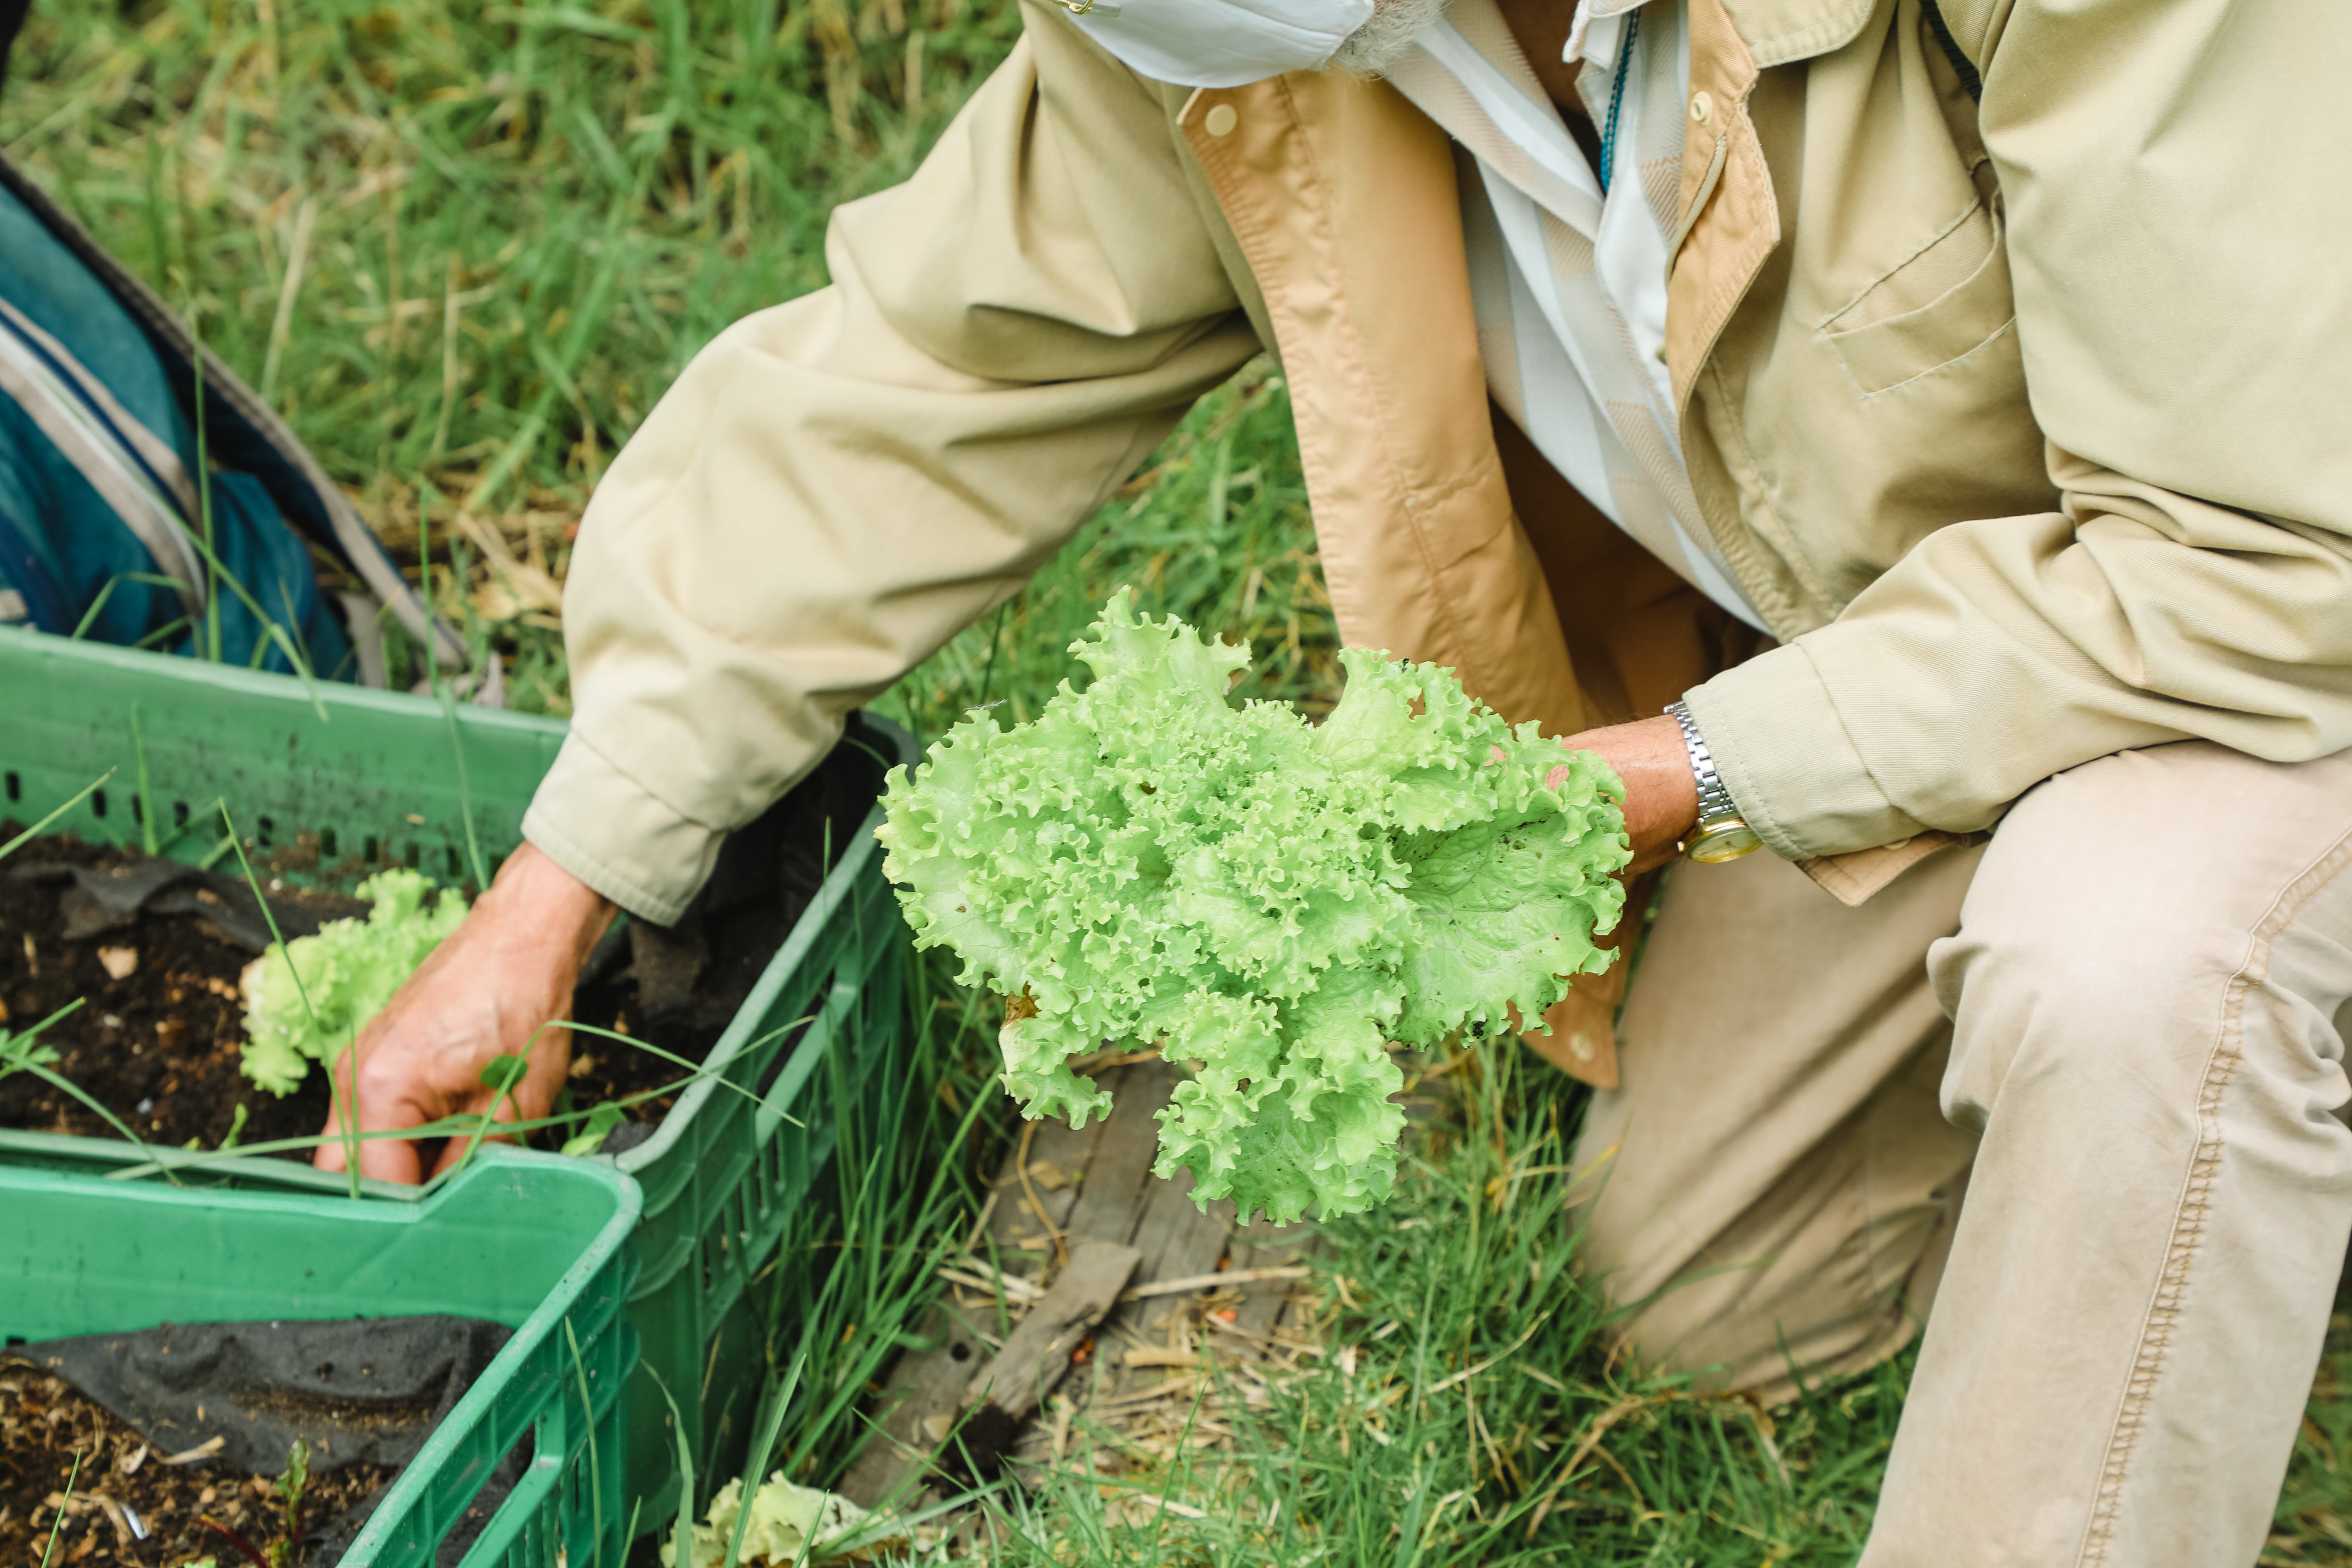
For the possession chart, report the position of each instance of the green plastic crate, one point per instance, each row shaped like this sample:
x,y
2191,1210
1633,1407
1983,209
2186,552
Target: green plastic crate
x,y
721,1175
253,1239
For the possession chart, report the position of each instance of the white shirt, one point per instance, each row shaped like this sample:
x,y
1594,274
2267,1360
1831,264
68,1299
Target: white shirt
x,y
1568,285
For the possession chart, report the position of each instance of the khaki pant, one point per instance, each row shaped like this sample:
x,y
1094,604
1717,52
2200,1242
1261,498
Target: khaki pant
x,y
2114,1030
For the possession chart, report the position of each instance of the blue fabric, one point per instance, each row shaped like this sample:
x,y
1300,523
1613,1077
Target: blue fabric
x,y
61,543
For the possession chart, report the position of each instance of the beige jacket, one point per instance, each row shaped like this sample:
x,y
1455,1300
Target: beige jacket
x,y
2025,426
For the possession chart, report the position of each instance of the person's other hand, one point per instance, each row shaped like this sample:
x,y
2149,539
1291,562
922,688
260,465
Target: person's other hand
x,y
509,969
1661,792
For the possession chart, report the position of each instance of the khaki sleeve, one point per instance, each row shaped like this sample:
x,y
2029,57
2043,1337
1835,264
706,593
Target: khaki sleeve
x,y
2183,265
836,485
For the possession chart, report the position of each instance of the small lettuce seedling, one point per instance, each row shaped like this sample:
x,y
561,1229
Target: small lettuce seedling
x,y
350,970
286,1551
23,1052
1271,901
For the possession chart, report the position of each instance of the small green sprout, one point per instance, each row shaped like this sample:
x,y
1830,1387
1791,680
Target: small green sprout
x,y
290,1488
602,1120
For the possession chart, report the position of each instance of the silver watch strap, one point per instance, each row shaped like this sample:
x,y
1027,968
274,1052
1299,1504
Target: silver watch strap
x,y
1714,799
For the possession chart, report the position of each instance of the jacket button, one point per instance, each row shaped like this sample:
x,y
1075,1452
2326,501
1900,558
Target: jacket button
x,y
1221,120
1702,108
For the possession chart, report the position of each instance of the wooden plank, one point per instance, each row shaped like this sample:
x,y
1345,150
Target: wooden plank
x,y
1113,1200
1124,1201
1002,1393
1110,1202
925,1390
1177,1240
1053,1148
1262,1245
1035,1358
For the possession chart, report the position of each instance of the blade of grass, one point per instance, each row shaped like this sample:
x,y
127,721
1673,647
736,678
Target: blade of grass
x,y
349,1120
449,710
164,1161
186,827
72,1477
483,1125
204,488
682,1536
475,1123
84,794
269,630
106,592
65,1085
16,1056
18,1039
146,791
595,1465
592,310
164,634
700,1071
763,1447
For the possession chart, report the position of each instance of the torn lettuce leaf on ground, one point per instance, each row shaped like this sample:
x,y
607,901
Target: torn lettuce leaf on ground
x,y
1270,901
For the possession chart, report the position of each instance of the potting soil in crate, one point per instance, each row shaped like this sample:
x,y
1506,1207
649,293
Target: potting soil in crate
x,y
282,1433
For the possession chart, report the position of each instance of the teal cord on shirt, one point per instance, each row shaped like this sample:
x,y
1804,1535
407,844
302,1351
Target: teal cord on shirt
x,y
1617,99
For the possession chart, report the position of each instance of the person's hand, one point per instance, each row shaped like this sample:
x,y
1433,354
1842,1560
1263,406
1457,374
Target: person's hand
x,y
1661,792
508,970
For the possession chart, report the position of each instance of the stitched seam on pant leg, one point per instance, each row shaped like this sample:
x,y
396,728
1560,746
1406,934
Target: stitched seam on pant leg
x,y
2196,1200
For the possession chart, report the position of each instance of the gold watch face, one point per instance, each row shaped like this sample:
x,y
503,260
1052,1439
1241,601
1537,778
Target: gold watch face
x,y
1723,838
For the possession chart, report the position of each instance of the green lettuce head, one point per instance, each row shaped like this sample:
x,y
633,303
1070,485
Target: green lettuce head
x,y
1268,899
348,971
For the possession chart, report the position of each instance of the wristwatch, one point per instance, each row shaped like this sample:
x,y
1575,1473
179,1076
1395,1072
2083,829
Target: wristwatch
x,y
1722,834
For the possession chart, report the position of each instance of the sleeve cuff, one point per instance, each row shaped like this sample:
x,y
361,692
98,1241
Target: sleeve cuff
x,y
648,859
1787,761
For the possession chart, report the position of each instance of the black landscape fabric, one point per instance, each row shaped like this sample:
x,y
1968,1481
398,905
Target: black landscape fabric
x,y
355,1389
99,900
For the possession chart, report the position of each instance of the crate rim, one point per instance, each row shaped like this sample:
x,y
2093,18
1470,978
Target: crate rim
x,y
264,683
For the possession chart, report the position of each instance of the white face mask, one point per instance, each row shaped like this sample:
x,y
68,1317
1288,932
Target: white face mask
x,y
1223,42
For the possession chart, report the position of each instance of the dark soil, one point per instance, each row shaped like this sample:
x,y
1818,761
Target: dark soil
x,y
45,1424
159,1046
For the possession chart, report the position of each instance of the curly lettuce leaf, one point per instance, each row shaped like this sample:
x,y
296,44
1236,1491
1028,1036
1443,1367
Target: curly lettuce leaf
x,y
1271,902
349,971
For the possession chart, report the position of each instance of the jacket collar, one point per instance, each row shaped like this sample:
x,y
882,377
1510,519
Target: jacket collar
x,y
1780,31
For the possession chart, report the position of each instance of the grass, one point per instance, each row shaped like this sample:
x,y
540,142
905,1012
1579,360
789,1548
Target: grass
x,y
854,1273
464,246
1467,1408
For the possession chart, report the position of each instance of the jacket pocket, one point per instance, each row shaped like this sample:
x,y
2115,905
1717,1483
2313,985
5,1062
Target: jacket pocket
x,y
1947,301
